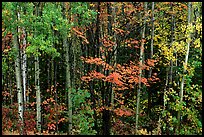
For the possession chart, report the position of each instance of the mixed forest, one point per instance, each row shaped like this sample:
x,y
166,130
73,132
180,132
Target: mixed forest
x,y
102,68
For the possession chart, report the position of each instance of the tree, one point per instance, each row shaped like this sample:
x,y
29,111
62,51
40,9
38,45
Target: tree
x,y
37,73
186,60
18,70
102,68
140,70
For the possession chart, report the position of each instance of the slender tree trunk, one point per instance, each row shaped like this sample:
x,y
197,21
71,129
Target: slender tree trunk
x,y
107,88
68,86
18,81
152,38
10,90
114,55
52,72
56,95
48,73
37,82
24,65
23,57
115,46
18,76
68,75
185,64
74,63
28,81
172,38
140,69
110,18
151,55
164,100
93,40
38,93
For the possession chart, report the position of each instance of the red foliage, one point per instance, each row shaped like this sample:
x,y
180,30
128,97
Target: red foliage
x,y
80,34
114,78
10,118
121,128
121,112
6,41
124,77
52,109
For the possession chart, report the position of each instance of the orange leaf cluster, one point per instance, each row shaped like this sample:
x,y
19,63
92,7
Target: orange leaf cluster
x,y
96,75
102,50
86,78
107,43
51,126
121,32
61,120
132,42
115,78
48,100
97,61
144,81
184,6
121,112
99,109
6,41
80,34
107,66
150,62
104,15
153,79
93,75
124,77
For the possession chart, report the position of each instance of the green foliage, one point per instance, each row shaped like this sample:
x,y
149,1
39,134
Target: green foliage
x,y
83,114
78,97
44,38
86,15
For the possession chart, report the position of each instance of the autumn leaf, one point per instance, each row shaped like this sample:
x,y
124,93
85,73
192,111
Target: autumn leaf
x,y
121,112
80,34
115,78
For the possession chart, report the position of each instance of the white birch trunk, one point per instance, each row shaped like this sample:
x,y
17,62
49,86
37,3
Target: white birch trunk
x,y
185,64
18,76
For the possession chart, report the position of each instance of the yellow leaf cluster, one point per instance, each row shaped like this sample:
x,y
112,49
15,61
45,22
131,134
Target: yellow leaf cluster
x,y
197,43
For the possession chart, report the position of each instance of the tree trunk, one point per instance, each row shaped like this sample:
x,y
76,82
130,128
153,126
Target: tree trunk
x,y
48,73
23,57
172,39
68,86
114,55
18,80
185,64
74,63
52,72
164,97
18,75
68,76
24,65
151,55
38,93
37,83
56,95
140,69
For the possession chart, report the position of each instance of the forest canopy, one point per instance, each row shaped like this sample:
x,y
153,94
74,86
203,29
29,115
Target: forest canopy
x,y
102,68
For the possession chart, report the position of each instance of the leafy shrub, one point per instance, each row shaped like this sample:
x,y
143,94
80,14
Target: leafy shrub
x,y
82,114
